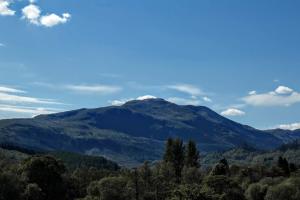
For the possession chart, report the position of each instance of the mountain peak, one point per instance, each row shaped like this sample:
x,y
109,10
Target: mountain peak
x,y
147,101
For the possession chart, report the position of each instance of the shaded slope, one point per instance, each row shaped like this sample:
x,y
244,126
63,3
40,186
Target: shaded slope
x,y
133,132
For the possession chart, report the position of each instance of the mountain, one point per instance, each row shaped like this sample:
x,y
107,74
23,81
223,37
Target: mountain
x,y
246,156
287,136
133,132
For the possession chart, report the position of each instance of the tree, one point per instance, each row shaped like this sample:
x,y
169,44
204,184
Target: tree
x,y
10,186
222,168
282,192
178,162
33,192
256,191
284,165
46,172
175,155
110,188
192,157
168,156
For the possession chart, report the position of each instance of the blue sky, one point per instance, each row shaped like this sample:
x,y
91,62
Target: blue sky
x,y
240,58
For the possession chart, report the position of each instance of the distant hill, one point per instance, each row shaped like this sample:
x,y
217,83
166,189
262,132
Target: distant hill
x,y
15,154
134,132
246,156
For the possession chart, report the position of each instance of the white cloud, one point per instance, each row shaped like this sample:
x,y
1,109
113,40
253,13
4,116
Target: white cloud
x,y
252,92
10,95
4,8
94,89
282,96
32,13
10,90
12,98
284,90
207,99
123,101
186,88
183,101
28,110
232,112
141,98
54,19
118,102
293,126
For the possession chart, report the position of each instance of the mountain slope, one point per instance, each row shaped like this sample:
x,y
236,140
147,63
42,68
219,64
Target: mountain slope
x,y
133,132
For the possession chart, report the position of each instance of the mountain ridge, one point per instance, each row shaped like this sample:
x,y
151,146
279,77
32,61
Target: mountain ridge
x,y
135,131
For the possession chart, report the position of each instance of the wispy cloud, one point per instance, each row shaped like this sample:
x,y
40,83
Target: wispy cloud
x,y
281,96
13,98
12,95
33,111
2,45
187,88
10,90
293,126
230,112
207,99
94,89
184,101
5,9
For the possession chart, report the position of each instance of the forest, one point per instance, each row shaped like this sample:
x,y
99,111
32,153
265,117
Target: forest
x,y
178,176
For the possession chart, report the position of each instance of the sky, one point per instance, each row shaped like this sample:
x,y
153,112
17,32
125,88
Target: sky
x,y
239,58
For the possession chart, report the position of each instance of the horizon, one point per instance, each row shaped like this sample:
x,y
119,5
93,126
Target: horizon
x,y
239,59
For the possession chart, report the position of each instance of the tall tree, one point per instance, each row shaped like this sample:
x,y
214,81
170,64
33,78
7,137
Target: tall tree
x,y
284,165
192,157
178,160
168,156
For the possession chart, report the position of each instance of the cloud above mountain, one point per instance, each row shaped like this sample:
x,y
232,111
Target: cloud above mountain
x,y
281,96
93,89
13,100
187,88
293,126
231,112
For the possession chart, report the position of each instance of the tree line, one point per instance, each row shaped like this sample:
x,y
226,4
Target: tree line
x,y
178,176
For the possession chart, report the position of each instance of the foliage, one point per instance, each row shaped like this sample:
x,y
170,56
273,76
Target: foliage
x,y
177,177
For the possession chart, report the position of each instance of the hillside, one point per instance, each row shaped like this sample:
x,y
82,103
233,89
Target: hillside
x,y
134,132
248,156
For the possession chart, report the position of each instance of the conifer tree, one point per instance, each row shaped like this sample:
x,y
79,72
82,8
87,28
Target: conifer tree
x,y
168,156
178,160
192,157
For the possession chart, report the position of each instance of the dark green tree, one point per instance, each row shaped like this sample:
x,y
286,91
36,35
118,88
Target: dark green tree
x,y
110,188
46,172
192,157
169,156
284,165
10,186
178,160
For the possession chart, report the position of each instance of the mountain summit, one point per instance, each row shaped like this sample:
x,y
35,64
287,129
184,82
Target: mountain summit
x,y
133,132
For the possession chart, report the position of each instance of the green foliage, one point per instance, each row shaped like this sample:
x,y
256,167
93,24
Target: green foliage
x,y
282,192
175,178
46,172
256,191
10,186
110,188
